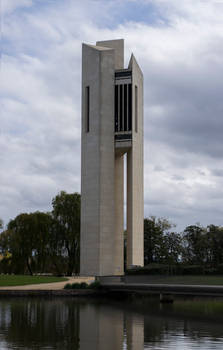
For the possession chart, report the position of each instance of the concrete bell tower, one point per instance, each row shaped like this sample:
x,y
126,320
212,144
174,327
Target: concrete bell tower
x,y
112,125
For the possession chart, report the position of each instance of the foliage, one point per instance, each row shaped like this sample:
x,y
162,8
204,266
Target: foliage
x,y
83,285
214,242
195,245
1,223
28,238
50,243
95,285
151,269
160,245
66,213
44,242
186,279
76,285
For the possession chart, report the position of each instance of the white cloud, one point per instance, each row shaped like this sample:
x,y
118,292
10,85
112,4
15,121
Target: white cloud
x,y
8,6
181,56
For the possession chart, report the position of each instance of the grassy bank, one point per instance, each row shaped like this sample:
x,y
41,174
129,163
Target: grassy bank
x,y
194,280
22,280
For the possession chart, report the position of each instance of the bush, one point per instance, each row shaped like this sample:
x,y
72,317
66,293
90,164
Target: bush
x,y
151,269
76,285
220,269
190,270
83,285
95,285
173,270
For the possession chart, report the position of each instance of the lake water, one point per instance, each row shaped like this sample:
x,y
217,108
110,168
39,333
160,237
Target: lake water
x,y
93,324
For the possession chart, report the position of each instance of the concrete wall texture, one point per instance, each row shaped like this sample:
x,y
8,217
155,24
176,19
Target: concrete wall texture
x,y
102,165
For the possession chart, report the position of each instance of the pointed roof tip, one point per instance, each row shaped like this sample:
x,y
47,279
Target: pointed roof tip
x,y
133,62
130,61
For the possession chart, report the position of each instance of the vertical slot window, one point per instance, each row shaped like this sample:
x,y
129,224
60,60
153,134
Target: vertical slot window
x,y
87,108
120,107
136,108
125,109
130,107
116,109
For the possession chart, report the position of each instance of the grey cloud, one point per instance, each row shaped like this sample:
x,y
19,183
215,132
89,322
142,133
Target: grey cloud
x,y
40,123
217,172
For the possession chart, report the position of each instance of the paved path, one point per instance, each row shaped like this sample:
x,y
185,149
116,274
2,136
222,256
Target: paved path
x,y
50,286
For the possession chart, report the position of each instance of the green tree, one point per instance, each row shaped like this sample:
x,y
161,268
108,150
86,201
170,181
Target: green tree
x,y
172,247
155,229
5,249
29,240
42,224
1,223
56,248
195,244
66,211
214,239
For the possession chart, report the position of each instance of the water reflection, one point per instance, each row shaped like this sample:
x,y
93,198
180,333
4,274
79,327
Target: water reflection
x,y
110,325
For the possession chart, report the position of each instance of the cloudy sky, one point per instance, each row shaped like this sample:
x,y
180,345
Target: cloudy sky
x,y
178,44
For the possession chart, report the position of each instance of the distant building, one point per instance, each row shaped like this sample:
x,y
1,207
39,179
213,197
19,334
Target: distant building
x,y
112,125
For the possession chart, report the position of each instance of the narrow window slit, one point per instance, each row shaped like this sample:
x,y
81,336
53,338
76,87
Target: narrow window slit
x,y
136,108
87,108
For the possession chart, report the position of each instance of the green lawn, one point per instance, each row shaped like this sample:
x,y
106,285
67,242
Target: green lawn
x,y
22,280
208,280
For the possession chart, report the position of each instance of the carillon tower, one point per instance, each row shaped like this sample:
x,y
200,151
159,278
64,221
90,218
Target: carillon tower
x,y
112,125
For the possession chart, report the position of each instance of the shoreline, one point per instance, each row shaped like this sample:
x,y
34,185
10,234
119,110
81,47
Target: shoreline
x,y
120,290
49,293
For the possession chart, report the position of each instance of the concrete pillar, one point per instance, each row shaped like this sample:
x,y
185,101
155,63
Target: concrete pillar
x,y
119,216
97,181
135,200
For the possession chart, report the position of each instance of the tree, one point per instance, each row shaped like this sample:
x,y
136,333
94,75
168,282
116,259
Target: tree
x,y
56,248
172,247
29,241
1,224
155,229
42,225
5,249
66,211
214,239
195,244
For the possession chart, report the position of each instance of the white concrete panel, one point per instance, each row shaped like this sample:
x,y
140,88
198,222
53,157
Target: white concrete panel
x,y
97,179
118,46
135,196
119,216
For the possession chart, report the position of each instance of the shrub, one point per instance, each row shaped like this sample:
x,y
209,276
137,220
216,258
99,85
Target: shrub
x,y
76,285
95,285
190,270
151,269
171,270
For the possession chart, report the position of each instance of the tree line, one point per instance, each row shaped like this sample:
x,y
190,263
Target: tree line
x,y
44,242
50,242
198,248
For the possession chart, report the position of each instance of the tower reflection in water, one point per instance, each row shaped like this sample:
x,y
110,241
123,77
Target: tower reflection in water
x,y
109,328
82,324
68,324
